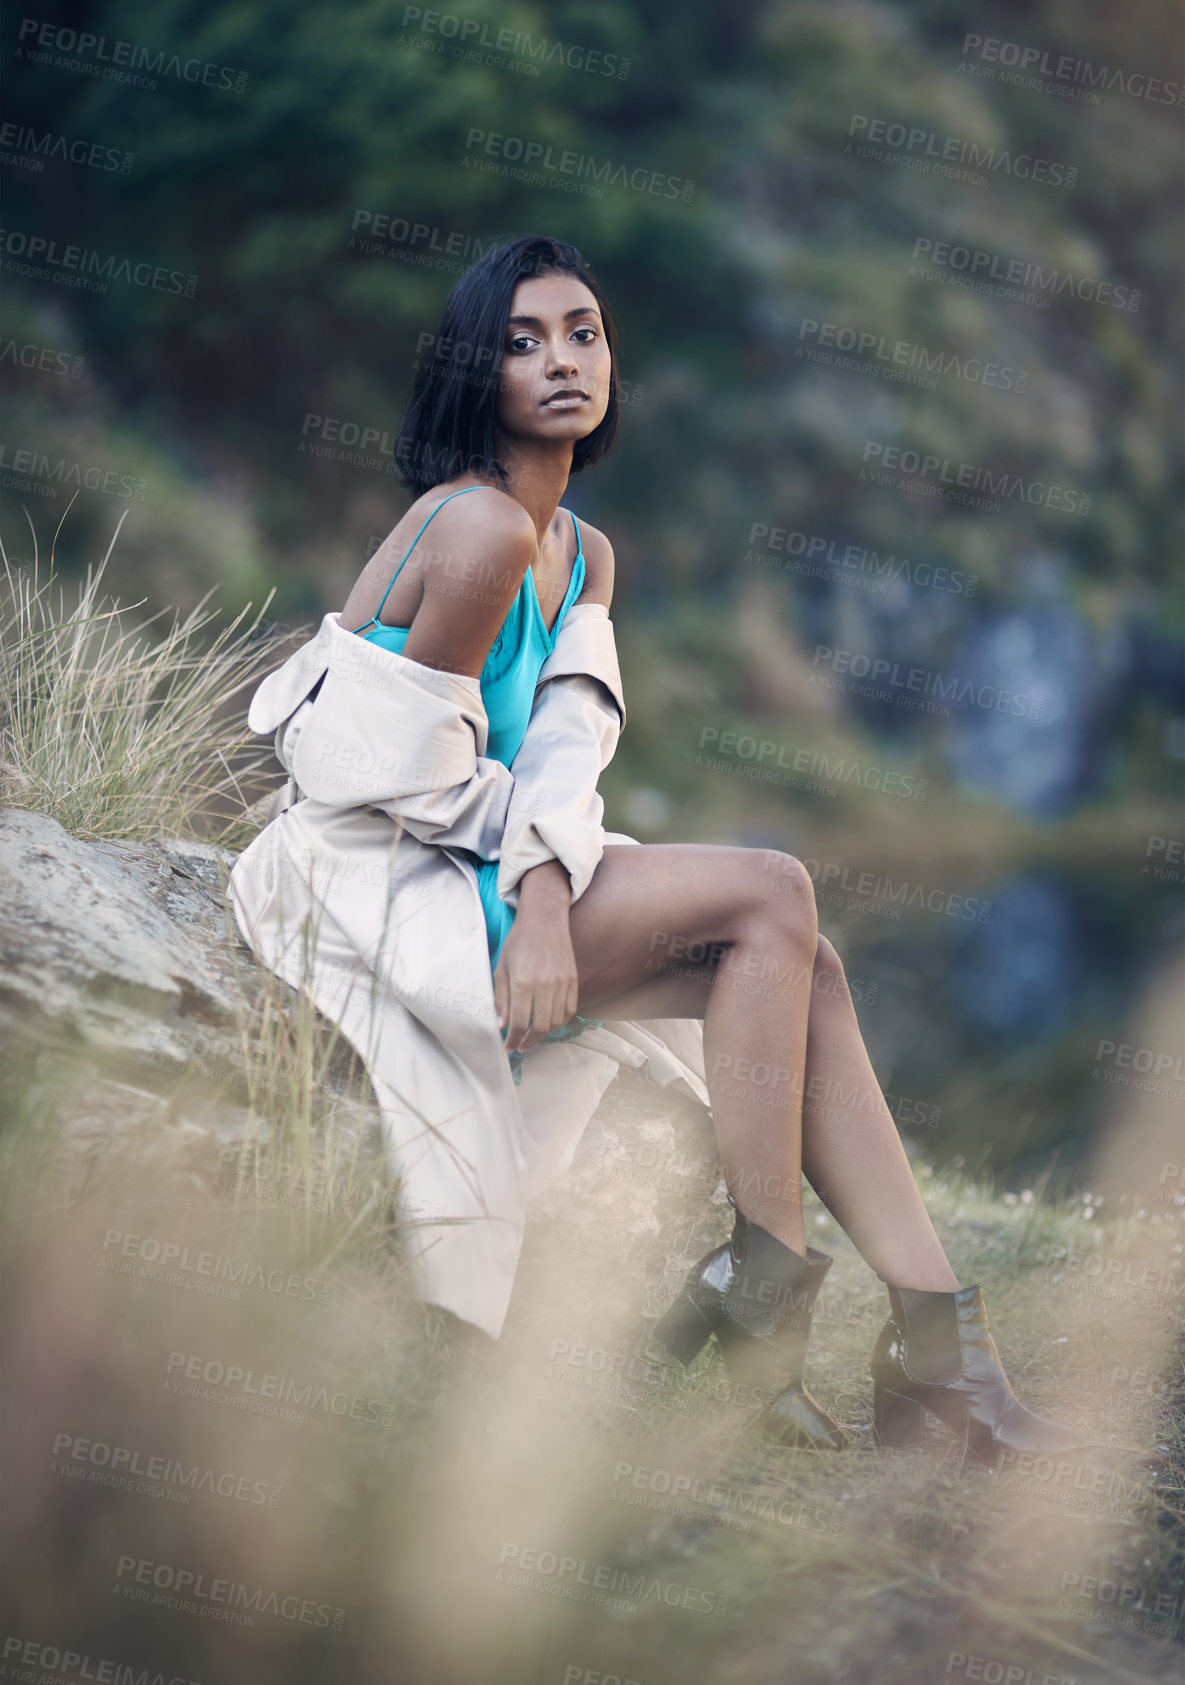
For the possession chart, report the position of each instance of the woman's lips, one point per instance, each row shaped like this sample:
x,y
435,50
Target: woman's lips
x,y
567,402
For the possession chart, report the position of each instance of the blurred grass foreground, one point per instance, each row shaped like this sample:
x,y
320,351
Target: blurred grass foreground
x,y
238,1450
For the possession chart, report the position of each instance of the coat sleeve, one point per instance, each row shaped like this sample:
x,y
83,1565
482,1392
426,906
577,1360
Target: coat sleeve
x,y
555,812
373,728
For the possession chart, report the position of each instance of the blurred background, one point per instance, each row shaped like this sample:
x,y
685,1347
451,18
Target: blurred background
x,y
897,498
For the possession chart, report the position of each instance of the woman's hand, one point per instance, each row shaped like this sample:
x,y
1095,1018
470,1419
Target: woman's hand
x,y
535,981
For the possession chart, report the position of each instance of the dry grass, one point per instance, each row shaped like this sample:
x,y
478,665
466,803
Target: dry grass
x,y
120,729
555,1501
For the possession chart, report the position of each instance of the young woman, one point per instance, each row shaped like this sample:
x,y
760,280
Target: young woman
x,y
485,613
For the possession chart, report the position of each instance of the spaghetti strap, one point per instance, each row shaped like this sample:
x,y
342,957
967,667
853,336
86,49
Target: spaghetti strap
x,y
374,619
575,583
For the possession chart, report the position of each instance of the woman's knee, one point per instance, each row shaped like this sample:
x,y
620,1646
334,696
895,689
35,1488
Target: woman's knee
x,y
777,895
829,978
827,961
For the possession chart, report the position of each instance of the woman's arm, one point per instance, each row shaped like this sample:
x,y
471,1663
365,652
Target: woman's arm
x,y
570,738
543,884
598,567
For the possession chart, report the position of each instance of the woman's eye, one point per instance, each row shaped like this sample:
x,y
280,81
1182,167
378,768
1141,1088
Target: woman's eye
x,y
521,342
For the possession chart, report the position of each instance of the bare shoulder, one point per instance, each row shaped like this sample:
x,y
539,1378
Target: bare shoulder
x,y
469,574
441,537
492,518
487,541
491,529
598,566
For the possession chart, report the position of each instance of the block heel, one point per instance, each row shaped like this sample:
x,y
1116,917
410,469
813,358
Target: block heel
x,y
896,1420
936,1354
755,1296
682,1331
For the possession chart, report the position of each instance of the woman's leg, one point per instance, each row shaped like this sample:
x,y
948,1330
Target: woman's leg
x,y
707,928
851,1152
730,935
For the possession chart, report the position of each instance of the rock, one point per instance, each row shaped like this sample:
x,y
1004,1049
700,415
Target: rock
x,y
118,945
609,1244
125,989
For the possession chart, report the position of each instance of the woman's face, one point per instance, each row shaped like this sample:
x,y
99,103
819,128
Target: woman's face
x,y
554,378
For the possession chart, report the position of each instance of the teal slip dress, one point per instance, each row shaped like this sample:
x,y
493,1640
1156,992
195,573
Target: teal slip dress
x,y
507,683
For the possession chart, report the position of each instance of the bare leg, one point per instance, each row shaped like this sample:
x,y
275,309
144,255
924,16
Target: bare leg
x,y
730,936
852,1153
713,922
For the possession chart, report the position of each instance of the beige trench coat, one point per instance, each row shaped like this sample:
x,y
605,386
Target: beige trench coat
x,y
358,891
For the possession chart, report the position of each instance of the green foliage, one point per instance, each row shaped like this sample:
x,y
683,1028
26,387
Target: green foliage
x,y
349,113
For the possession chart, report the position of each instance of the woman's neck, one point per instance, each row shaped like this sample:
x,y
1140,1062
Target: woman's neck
x,y
537,477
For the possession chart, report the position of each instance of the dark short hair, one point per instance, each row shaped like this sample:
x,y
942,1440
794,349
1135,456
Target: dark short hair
x,y
450,425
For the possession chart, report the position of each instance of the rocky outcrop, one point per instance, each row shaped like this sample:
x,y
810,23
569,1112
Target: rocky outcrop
x,y
128,1001
129,1004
